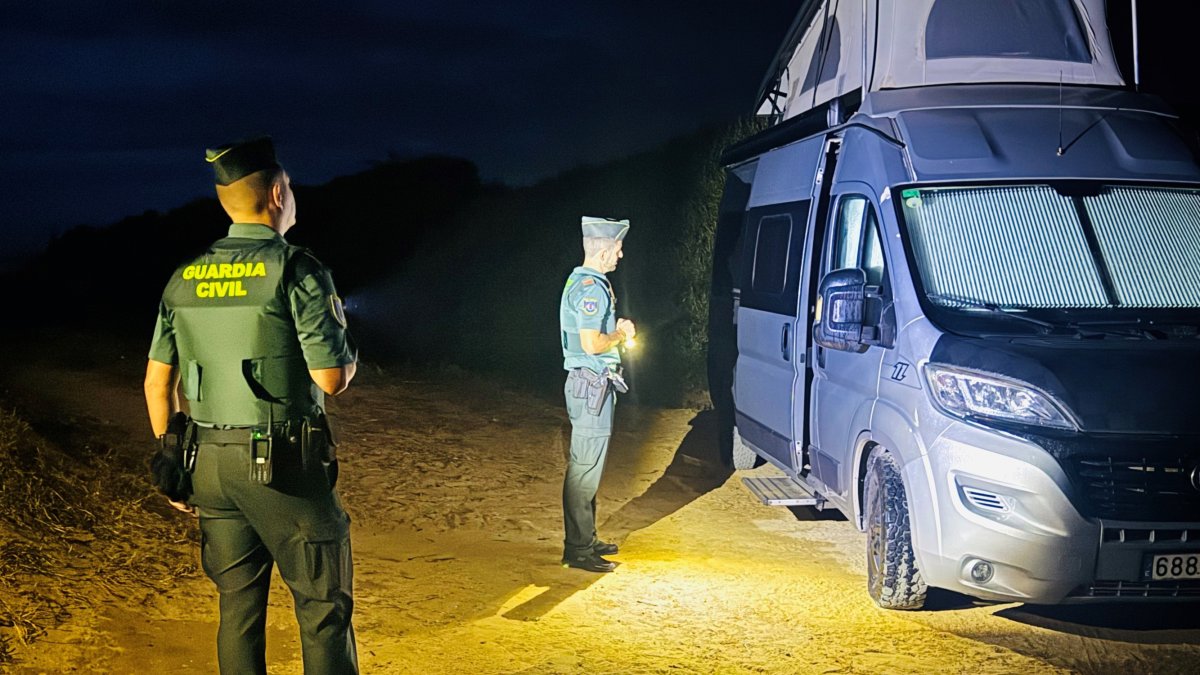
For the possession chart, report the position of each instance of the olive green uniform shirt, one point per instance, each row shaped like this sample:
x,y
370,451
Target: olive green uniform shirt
x,y
244,322
587,302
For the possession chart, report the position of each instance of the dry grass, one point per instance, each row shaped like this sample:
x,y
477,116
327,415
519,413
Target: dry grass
x,y
76,529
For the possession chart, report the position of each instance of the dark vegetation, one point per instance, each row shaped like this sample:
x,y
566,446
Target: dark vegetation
x,y
77,523
439,268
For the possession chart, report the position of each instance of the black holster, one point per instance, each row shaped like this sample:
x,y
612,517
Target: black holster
x,y
171,466
591,386
318,447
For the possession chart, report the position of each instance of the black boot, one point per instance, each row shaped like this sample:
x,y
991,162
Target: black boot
x,y
590,562
604,548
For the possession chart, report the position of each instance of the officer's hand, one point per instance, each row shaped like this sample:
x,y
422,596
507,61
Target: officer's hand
x,y
184,506
626,327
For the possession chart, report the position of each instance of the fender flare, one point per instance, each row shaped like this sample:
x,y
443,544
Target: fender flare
x,y
891,428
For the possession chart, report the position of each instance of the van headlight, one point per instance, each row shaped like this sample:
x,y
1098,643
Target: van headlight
x,y
971,394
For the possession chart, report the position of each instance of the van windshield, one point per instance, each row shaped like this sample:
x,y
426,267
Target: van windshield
x,y
1038,247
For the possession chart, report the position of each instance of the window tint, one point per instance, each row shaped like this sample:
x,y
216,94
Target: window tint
x,y
771,254
1011,29
772,246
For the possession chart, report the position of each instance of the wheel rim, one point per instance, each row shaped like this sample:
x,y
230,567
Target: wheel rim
x,y
876,542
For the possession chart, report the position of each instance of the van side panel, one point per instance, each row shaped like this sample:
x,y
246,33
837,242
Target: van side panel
x,y
764,416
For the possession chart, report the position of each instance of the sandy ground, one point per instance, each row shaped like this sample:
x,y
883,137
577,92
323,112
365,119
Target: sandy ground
x,y
453,487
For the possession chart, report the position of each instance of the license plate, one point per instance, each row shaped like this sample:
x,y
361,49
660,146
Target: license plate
x,y
1175,566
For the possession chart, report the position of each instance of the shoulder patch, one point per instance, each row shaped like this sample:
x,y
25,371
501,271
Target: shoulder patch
x,y
337,310
590,306
588,281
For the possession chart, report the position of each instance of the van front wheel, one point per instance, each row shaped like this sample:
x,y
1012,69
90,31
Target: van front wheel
x,y
743,457
893,580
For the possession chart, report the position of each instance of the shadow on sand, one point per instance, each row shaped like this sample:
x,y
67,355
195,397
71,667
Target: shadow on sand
x,y
696,469
1150,623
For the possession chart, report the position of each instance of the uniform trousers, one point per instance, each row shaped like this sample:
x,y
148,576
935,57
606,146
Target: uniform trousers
x,y
296,522
590,434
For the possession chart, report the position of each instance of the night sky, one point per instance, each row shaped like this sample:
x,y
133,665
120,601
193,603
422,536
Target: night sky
x,y
106,107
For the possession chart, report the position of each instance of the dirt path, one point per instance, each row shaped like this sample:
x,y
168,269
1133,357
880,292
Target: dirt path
x,y
454,493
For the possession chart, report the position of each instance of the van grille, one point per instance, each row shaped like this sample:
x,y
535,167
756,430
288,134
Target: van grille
x,y
1140,589
1143,535
1141,488
1130,477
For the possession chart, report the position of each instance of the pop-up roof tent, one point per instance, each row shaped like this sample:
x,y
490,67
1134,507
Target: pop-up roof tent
x,y
910,43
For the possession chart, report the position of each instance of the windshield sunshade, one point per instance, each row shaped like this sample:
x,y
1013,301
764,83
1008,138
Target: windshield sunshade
x,y
1151,242
1011,246
1027,246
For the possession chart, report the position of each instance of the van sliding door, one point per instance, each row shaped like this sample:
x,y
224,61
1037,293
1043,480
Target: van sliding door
x,y
770,348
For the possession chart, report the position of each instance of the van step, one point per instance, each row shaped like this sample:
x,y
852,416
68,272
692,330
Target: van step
x,y
782,491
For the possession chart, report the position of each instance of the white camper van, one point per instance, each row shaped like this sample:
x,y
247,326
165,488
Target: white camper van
x,y
966,297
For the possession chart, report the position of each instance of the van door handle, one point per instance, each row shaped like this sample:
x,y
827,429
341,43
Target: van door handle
x,y
783,341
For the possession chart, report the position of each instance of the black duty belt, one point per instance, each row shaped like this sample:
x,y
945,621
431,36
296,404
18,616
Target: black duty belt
x,y
240,435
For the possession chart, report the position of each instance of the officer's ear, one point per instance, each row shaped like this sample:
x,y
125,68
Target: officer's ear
x,y
613,253
277,188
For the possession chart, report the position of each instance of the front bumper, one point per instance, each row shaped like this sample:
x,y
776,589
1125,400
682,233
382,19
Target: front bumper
x,y
979,495
1122,563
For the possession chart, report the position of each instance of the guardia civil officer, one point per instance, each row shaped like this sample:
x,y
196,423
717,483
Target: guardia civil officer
x,y
591,334
254,334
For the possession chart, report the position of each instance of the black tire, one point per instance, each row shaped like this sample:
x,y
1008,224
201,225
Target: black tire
x,y
743,457
893,579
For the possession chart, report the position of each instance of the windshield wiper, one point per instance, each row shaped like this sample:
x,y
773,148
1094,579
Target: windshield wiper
x,y
994,309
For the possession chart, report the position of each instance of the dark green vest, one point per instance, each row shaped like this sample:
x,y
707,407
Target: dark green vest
x,y
239,356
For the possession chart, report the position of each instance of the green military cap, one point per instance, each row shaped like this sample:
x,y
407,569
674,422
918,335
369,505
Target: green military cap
x,y
234,161
605,228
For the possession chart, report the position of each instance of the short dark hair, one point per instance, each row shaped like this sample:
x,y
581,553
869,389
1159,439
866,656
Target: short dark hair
x,y
251,193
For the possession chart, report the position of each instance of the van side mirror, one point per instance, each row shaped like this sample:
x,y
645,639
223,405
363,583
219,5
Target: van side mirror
x,y
843,299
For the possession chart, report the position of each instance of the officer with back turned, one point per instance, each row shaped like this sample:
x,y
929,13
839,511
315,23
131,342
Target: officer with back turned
x,y
591,333
254,334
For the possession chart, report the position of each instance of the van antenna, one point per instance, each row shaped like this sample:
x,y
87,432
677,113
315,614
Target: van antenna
x,y
865,89
1136,71
1060,113
1062,149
